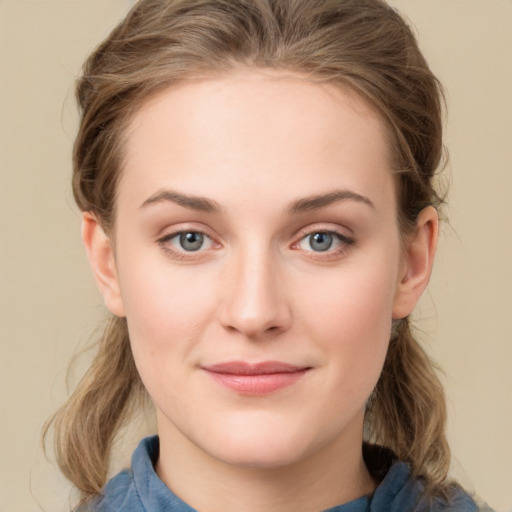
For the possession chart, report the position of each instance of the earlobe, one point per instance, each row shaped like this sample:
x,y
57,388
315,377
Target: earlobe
x,y
101,258
418,261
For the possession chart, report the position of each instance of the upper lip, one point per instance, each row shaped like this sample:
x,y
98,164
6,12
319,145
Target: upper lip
x,y
244,368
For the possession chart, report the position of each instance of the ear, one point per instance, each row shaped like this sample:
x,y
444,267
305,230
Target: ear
x,y
418,261
101,258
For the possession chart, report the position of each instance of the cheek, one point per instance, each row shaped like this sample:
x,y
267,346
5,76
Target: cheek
x,y
355,303
352,324
158,295
166,309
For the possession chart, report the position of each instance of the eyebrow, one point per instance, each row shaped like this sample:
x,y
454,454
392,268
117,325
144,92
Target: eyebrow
x,y
316,202
305,204
201,204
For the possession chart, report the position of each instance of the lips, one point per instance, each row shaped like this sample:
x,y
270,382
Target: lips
x,y
255,379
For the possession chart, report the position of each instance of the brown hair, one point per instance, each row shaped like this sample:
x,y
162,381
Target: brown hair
x,y
362,44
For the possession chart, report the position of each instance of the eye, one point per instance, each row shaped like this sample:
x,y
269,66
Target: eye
x,y
190,241
320,241
187,241
323,241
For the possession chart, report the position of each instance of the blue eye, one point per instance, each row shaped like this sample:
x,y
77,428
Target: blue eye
x,y
188,241
323,241
320,241
191,241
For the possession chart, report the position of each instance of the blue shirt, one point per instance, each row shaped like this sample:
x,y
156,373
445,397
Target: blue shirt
x,y
140,490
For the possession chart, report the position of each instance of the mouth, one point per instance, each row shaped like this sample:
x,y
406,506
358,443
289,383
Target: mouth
x,y
255,379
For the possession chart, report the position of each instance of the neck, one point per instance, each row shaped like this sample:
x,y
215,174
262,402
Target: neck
x,y
333,475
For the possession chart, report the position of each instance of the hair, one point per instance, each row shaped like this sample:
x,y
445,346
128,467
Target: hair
x,y
361,44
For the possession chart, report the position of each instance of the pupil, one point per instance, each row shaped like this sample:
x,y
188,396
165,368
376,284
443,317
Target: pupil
x,y
321,241
191,241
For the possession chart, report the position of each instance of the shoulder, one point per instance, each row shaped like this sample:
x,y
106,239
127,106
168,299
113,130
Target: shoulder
x,y
119,495
122,492
400,491
138,489
457,501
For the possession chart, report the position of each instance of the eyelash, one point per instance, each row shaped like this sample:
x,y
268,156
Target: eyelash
x,y
328,254
182,254
344,243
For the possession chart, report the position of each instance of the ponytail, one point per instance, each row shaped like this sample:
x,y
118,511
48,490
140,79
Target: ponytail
x,y
85,426
407,411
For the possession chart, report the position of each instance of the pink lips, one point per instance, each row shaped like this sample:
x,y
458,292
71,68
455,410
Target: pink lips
x,y
255,379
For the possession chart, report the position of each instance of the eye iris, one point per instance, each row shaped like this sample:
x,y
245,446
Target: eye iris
x,y
191,241
320,241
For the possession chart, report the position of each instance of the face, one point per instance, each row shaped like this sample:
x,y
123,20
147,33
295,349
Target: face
x,y
258,263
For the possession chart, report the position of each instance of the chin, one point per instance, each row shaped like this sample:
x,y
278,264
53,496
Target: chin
x,y
261,448
266,458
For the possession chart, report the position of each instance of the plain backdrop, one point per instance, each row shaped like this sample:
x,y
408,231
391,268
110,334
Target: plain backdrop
x,y
48,303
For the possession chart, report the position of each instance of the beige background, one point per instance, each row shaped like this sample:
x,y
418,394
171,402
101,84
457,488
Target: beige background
x,y
48,304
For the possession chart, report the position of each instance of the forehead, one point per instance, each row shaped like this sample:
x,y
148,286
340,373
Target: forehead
x,y
261,129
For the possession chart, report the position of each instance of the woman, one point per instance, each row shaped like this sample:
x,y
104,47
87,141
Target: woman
x,y
259,214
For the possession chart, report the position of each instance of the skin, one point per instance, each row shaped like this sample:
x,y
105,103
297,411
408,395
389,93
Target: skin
x,y
260,146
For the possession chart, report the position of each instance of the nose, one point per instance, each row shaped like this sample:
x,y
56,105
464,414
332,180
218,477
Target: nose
x,y
254,302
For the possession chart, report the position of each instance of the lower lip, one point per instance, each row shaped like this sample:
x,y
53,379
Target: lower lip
x,y
259,384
